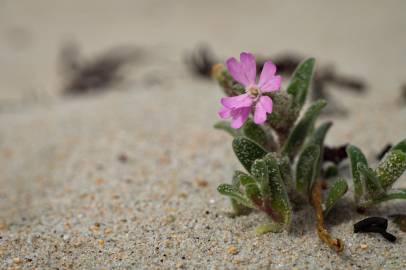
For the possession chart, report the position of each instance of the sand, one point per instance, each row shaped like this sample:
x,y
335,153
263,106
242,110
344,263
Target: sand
x,y
127,179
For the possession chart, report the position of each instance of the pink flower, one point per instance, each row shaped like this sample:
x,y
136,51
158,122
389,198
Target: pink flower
x,y
244,72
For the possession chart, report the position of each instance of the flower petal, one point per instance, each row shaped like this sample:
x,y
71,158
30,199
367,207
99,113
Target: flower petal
x,y
225,113
250,67
243,100
239,117
237,71
264,105
268,82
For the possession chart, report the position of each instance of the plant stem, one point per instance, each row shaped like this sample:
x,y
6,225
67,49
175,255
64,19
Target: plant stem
x,y
322,232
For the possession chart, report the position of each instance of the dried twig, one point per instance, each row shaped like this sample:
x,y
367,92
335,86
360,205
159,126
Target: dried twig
x,y
324,235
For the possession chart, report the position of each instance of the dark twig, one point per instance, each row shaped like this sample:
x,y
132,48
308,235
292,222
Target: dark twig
x,y
201,62
384,150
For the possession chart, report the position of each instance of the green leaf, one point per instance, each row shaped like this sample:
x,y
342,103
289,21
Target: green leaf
x,y
391,168
254,132
400,146
317,138
230,191
285,170
356,156
253,193
238,180
269,227
302,128
392,195
224,125
247,151
279,196
319,134
306,168
371,181
247,179
260,171
336,191
300,82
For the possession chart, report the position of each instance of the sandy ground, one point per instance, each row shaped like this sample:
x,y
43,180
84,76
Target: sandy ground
x,y
70,200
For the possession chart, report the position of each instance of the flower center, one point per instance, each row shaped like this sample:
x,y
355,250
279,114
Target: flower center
x,y
253,91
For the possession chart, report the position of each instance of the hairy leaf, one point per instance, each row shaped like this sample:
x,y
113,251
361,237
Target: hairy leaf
x,y
300,82
370,179
392,195
247,151
336,191
255,133
391,168
238,180
230,191
356,156
302,128
400,146
279,196
306,169
260,171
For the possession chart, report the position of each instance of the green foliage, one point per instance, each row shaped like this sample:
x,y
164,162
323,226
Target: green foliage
x,y
286,168
356,156
336,191
247,151
373,186
255,132
302,129
306,169
279,196
391,167
300,82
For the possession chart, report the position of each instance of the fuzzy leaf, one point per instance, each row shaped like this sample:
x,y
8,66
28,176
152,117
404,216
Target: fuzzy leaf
x,y
286,171
247,151
371,181
224,125
336,191
391,168
400,146
247,179
317,138
306,168
230,191
302,128
238,180
392,195
279,196
253,193
254,132
269,227
300,82
356,156
319,134
260,171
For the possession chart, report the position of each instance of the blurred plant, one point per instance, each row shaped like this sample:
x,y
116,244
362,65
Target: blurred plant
x,y
96,74
284,156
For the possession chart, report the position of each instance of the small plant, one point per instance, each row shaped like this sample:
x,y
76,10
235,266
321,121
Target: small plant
x,y
375,186
282,152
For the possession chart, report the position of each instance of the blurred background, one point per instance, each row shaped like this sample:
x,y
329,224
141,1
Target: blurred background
x,y
107,109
